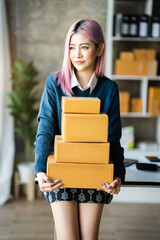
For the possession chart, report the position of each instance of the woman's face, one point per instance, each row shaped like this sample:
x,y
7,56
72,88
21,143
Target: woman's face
x,y
83,53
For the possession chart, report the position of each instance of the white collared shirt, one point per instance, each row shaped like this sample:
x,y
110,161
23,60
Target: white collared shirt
x,y
91,84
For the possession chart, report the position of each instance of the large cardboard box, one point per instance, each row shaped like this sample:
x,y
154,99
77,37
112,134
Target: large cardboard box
x,y
124,102
81,105
136,105
144,54
80,175
84,127
81,152
139,68
154,106
154,93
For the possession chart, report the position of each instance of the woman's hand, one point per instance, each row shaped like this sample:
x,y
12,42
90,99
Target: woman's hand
x,y
46,184
114,187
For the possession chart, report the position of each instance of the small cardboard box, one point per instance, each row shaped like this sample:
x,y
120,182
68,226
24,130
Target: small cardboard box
x,y
81,104
84,127
81,152
154,106
136,105
154,93
75,175
124,102
127,56
139,68
144,54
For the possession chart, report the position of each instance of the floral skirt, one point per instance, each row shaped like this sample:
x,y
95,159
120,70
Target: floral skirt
x,y
78,195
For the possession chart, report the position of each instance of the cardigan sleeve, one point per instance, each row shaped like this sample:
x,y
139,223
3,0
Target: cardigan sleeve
x,y
114,135
47,126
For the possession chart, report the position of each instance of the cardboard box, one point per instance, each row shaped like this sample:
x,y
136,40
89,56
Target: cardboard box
x,y
127,56
85,127
136,105
81,105
154,106
154,93
81,152
141,68
144,54
124,101
80,175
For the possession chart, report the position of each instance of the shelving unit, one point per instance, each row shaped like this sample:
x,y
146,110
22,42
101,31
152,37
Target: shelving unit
x,y
112,43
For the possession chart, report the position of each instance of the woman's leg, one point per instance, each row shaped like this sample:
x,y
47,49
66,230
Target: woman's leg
x,y
65,216
89,220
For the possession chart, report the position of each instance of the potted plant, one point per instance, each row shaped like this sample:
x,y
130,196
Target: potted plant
x,y
22,103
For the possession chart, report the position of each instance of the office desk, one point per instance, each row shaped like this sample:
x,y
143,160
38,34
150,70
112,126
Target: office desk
x,y
141,177
140,186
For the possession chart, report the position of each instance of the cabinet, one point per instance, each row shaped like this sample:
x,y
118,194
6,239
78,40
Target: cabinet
x,y
137,85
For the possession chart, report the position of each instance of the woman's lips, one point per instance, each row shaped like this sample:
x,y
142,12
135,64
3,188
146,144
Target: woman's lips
x,y
79,62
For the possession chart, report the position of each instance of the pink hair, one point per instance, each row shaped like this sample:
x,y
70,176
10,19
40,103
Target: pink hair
x,y
93,31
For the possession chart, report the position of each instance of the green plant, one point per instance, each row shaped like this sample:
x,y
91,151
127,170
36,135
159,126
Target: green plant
x,y
22,101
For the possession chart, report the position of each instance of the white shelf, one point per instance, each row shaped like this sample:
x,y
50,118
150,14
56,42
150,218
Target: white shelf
x,y
139,115
129,77
135,39
139,153
143,81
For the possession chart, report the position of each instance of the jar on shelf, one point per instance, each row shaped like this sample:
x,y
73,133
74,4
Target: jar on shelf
x,y
143,25
155,27
125,25
134,22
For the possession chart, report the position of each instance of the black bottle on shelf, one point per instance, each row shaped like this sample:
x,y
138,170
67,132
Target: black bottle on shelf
x,y
125,25
143,25
134,23
155,27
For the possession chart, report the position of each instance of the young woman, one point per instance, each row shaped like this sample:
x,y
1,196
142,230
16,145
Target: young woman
x,y
76,215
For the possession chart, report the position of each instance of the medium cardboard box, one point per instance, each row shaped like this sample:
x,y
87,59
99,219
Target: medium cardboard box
x,y
144,54
154,106
84,127
124,101
136,105
80,152
154,93
81,104
79,175
139,68
127,56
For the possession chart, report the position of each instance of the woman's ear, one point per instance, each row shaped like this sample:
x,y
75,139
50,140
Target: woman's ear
x,y
100,49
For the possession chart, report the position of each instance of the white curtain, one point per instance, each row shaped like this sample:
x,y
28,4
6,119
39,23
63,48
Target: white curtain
x,y
6,122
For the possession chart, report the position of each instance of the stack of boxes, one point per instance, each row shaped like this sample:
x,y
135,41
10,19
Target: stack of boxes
x,y
154,100
81,154
140,62
128,104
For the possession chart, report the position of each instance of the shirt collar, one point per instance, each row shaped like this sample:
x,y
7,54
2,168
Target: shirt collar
x,y
91,84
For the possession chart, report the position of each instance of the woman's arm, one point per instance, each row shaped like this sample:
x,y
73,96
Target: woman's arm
x,y
47,126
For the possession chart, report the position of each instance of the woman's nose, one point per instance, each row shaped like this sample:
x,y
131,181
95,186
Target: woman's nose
x,y
78,52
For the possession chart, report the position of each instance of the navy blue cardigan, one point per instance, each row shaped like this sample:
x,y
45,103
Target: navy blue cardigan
x,y
49,119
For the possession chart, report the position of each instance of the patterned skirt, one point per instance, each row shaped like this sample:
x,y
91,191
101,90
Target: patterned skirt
x,y
78,195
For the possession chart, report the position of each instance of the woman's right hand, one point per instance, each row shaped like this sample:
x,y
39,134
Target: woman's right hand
x,y
46,184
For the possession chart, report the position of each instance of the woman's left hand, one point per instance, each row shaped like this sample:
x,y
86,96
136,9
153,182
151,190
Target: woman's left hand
x,y
114,187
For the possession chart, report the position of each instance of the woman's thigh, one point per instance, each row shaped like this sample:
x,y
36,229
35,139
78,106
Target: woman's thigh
x,y
89,220
65,214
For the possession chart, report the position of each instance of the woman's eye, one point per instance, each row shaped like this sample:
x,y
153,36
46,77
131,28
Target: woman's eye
x,y
71,48
85,47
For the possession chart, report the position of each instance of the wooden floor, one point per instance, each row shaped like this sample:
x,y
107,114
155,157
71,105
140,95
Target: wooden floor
x,y
21,220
